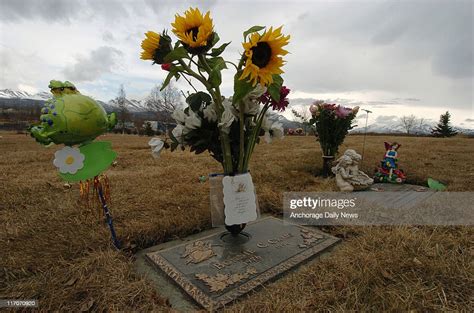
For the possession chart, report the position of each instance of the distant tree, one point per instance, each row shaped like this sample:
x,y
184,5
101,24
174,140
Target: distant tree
x,y
408,122
149,130
123,114
302,116
163,102
444,129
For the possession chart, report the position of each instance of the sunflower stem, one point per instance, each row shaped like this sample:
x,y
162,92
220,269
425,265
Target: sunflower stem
x,y
242,137
192,73
254,136
236,67
189,82
225,143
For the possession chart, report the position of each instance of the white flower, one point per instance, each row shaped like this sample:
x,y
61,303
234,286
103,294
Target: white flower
x,y
257,92
192,121
210,112
156,145
277,130
179,116
69,160
266,123
226,121
272,130
227,104
178,132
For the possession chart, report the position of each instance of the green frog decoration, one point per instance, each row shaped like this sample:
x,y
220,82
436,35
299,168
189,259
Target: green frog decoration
x,y
71,118
75,120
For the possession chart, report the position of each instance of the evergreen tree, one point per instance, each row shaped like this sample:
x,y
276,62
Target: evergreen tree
x,y
123,114
149,130
444,129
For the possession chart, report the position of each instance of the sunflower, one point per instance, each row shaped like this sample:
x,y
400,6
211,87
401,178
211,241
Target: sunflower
x,y
155,47
263,56
194,30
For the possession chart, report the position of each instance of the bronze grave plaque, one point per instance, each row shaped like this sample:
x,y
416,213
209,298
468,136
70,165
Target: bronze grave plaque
x,y
216,269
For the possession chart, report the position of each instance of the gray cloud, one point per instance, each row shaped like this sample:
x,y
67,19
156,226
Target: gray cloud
x,y
161,6
62,10
382,119
100,61
469,120
108,36
49,10
382,45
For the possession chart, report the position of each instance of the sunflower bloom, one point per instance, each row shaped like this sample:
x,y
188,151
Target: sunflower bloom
x,y
149,45
263,56
155,47
194,29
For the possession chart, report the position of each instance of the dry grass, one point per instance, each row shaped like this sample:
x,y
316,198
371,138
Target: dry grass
x,y
58,252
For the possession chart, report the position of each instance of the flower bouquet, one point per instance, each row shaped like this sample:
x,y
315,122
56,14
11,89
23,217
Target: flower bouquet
x,y
227,127
332,123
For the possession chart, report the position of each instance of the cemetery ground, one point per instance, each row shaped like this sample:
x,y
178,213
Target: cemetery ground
x,y
56,251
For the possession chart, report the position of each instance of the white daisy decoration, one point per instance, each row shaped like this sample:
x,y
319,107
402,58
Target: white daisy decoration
x,y
156,145
69,160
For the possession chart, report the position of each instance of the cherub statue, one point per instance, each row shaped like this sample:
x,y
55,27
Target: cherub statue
x,y
348,175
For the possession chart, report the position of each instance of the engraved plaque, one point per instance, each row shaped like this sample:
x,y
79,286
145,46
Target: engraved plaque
x,y
215,270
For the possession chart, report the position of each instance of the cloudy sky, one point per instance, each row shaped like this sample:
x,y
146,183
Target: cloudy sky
x,y
391,57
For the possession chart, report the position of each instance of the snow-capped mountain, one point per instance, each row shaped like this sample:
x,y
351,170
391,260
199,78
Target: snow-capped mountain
x,y
131,104
19,94
394,127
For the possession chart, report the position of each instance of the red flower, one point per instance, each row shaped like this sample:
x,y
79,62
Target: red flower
x,y
277,105
166,66
327,106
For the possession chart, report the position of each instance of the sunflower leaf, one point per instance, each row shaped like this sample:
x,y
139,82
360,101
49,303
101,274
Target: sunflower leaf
x,y
215,77
252,29
218,62
176,54
196,100
217,51
274,88
241,88
215,39
173,73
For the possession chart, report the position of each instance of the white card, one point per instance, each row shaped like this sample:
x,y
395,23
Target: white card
x,y
239,199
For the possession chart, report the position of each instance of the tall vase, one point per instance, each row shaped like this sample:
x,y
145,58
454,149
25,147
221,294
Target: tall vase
x,y
327,165
235,229
218,208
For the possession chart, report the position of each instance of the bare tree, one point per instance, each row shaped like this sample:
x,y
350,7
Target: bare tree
x,y
123,114
163,102
302,116
422,123
408,122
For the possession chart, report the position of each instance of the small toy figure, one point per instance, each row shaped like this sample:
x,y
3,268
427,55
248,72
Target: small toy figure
x,y
388,171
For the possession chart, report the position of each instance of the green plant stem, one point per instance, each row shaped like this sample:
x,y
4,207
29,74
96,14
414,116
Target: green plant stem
x,y
192,73
253,137
189,82
242,137
225,142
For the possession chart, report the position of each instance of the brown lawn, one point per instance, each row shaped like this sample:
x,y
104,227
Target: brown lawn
x,y
54,250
